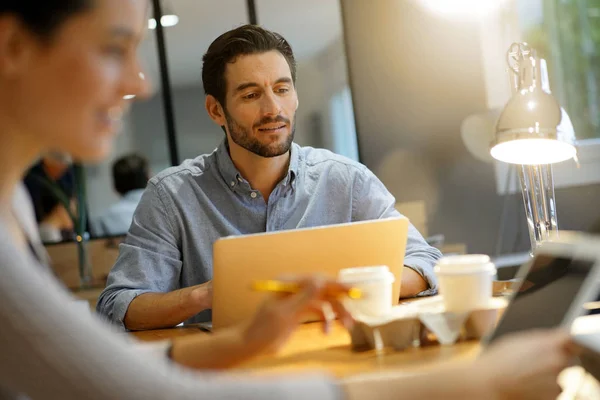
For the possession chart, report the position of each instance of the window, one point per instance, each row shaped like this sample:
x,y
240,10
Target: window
x,y
567,34
342,122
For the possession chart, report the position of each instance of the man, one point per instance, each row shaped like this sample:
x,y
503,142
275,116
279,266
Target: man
x,y
130,176
257,180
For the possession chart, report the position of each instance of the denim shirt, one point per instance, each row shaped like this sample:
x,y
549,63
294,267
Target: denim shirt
x,y
185,209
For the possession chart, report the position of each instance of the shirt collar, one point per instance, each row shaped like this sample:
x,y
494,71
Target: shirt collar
x,y
233,177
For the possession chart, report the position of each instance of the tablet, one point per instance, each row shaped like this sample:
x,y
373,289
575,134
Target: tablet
x,y
553,288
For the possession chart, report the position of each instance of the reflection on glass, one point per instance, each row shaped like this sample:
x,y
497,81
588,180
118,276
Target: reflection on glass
x,y
325,116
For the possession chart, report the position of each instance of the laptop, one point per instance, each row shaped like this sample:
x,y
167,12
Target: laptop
x,y
240,260
555,287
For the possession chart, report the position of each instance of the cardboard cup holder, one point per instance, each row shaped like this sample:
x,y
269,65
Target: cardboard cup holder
x,y
424,321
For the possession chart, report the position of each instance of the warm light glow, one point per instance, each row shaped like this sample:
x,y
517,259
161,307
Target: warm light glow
x,y
165,20
472,8
533,151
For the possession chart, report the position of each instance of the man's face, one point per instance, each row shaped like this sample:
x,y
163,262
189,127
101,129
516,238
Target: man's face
x,y
261,103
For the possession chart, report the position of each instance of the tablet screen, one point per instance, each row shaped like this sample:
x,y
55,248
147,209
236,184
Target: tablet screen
x,y
545,294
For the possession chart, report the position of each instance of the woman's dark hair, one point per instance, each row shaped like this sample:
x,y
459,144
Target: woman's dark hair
x,y
247,39
44,16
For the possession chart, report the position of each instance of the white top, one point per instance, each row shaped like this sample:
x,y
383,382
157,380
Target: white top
x,y
50,350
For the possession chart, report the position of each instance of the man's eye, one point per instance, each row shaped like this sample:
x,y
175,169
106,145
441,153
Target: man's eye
x,y
250,96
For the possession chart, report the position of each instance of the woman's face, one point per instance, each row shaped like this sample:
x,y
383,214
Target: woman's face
x,y
67,93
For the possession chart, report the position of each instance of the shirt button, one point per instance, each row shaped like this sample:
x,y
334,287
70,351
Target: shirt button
x,y
232,183
253,195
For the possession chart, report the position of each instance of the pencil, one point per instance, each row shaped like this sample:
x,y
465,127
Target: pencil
x,y
292,287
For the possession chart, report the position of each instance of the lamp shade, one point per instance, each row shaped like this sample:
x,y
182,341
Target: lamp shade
x,y
533,129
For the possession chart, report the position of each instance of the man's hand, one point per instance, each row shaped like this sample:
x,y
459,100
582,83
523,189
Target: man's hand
x,y
200,297
165,310
412,283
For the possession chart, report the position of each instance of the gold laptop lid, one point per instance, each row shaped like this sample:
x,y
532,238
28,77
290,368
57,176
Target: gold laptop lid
x,y
240,260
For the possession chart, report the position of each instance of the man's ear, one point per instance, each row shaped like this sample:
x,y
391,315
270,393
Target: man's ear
x,y
215,111
15,46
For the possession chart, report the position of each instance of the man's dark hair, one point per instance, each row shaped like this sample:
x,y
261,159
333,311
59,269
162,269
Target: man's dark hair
x,y
130,172
43,17
247,39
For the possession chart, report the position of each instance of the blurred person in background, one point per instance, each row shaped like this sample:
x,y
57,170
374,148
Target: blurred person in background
x,y
130,176
54,222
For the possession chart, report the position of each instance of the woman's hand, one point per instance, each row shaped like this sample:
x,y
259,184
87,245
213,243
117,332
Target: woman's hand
x,y
267,330
525,365
279,315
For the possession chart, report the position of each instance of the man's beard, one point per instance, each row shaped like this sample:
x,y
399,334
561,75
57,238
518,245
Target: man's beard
x,y
243,137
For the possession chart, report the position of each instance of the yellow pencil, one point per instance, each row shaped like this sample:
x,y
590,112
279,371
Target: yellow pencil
x,y
292,287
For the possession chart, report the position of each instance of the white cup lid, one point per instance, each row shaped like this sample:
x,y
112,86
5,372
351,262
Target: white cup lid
x,y
464,259
464,269
364,274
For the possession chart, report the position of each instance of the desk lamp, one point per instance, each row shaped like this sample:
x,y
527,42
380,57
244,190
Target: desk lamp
x,y
534,132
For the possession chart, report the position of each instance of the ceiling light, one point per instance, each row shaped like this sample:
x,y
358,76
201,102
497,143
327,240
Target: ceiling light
x,y
166,21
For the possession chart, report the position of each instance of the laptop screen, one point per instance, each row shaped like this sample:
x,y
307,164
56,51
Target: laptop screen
x,y
545,295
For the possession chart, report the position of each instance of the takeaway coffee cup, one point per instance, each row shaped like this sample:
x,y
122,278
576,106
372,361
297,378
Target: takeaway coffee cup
x,y
465,281
375,284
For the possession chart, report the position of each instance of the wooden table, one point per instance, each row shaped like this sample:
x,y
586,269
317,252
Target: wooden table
x,y
309,350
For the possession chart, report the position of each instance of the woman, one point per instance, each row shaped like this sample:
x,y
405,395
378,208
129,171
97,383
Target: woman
x,y
65,66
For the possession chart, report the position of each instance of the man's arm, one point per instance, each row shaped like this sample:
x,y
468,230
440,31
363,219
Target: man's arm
x,y
412,283
165,310
373,201
146,274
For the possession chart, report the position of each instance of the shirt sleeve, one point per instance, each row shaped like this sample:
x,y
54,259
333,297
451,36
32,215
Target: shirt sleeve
x,y
371,200
52,350
149,258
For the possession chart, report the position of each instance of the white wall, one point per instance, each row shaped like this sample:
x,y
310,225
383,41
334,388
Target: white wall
x,y
309,117
320,78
